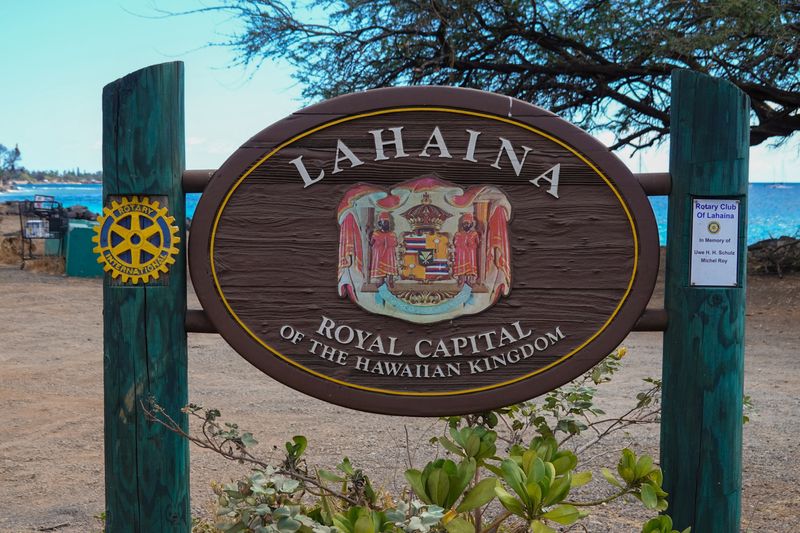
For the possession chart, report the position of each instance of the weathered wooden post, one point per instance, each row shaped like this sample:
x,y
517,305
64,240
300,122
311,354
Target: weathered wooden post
x,y
701,429
146,466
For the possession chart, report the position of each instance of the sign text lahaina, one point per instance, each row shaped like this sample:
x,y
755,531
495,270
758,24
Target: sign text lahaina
x,y
423,251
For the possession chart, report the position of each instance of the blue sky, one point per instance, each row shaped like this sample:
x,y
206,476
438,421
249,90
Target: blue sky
x,y
58,54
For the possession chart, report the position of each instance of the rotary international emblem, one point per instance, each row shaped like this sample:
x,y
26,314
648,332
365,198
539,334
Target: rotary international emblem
x,y
426,251
136,240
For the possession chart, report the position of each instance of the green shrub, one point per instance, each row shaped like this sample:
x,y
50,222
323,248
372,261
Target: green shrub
x,y
479,489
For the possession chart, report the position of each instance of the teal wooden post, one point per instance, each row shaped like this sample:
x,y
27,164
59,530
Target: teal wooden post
x,y
701,427
146,466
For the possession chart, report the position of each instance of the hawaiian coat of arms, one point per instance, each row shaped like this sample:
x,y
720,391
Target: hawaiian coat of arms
x,y
426,251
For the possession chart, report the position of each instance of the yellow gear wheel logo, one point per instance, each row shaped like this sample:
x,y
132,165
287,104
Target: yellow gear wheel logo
x,y
136,240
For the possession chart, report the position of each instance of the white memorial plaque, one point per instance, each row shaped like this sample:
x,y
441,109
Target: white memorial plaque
x,y
715,240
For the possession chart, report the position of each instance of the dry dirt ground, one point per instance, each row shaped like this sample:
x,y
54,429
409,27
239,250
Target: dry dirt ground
x,y
51,400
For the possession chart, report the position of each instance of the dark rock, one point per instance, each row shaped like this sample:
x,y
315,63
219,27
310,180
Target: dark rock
x,y
774,256
10,207
80,212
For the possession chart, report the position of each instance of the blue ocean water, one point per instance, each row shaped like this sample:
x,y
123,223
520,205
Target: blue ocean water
x,y
773,210
86,194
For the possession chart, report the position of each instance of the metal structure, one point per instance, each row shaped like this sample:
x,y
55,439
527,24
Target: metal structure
x,y
42,218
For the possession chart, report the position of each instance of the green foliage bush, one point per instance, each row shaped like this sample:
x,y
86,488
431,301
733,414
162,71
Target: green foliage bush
x,y
528,485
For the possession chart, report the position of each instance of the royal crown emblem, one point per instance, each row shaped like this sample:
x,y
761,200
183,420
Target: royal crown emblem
x,y
426,251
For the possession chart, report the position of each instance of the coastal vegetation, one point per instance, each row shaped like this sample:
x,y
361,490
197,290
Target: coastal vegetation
x,y
524,467
12,172
58,176
8,163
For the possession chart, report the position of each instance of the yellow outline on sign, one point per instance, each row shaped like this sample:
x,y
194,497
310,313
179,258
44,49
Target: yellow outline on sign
x,y
406,110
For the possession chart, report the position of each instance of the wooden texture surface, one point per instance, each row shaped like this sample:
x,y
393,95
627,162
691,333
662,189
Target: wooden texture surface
x,y
701,426
276,242
146,467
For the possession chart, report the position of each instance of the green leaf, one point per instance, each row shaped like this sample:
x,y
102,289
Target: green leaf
x,y
563,514
537,470
289,485
297,446
341,523
282,512
438,487
459,525
450,446
288,524
330,476
549,473
478,496
326,510
465,474
473,445
369,492
538,526
512,474
643,466
346,522
657,476
627,466
346,467
393,515
564,462
659,524
511,504
364,524
262,509
649,498
488,446
534,491
248,440
580,479
526,461
494,470
610,477
414,478
558,490
457,435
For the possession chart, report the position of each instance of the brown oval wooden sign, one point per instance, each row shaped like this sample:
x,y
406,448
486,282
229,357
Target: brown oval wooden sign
x,y
423,251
